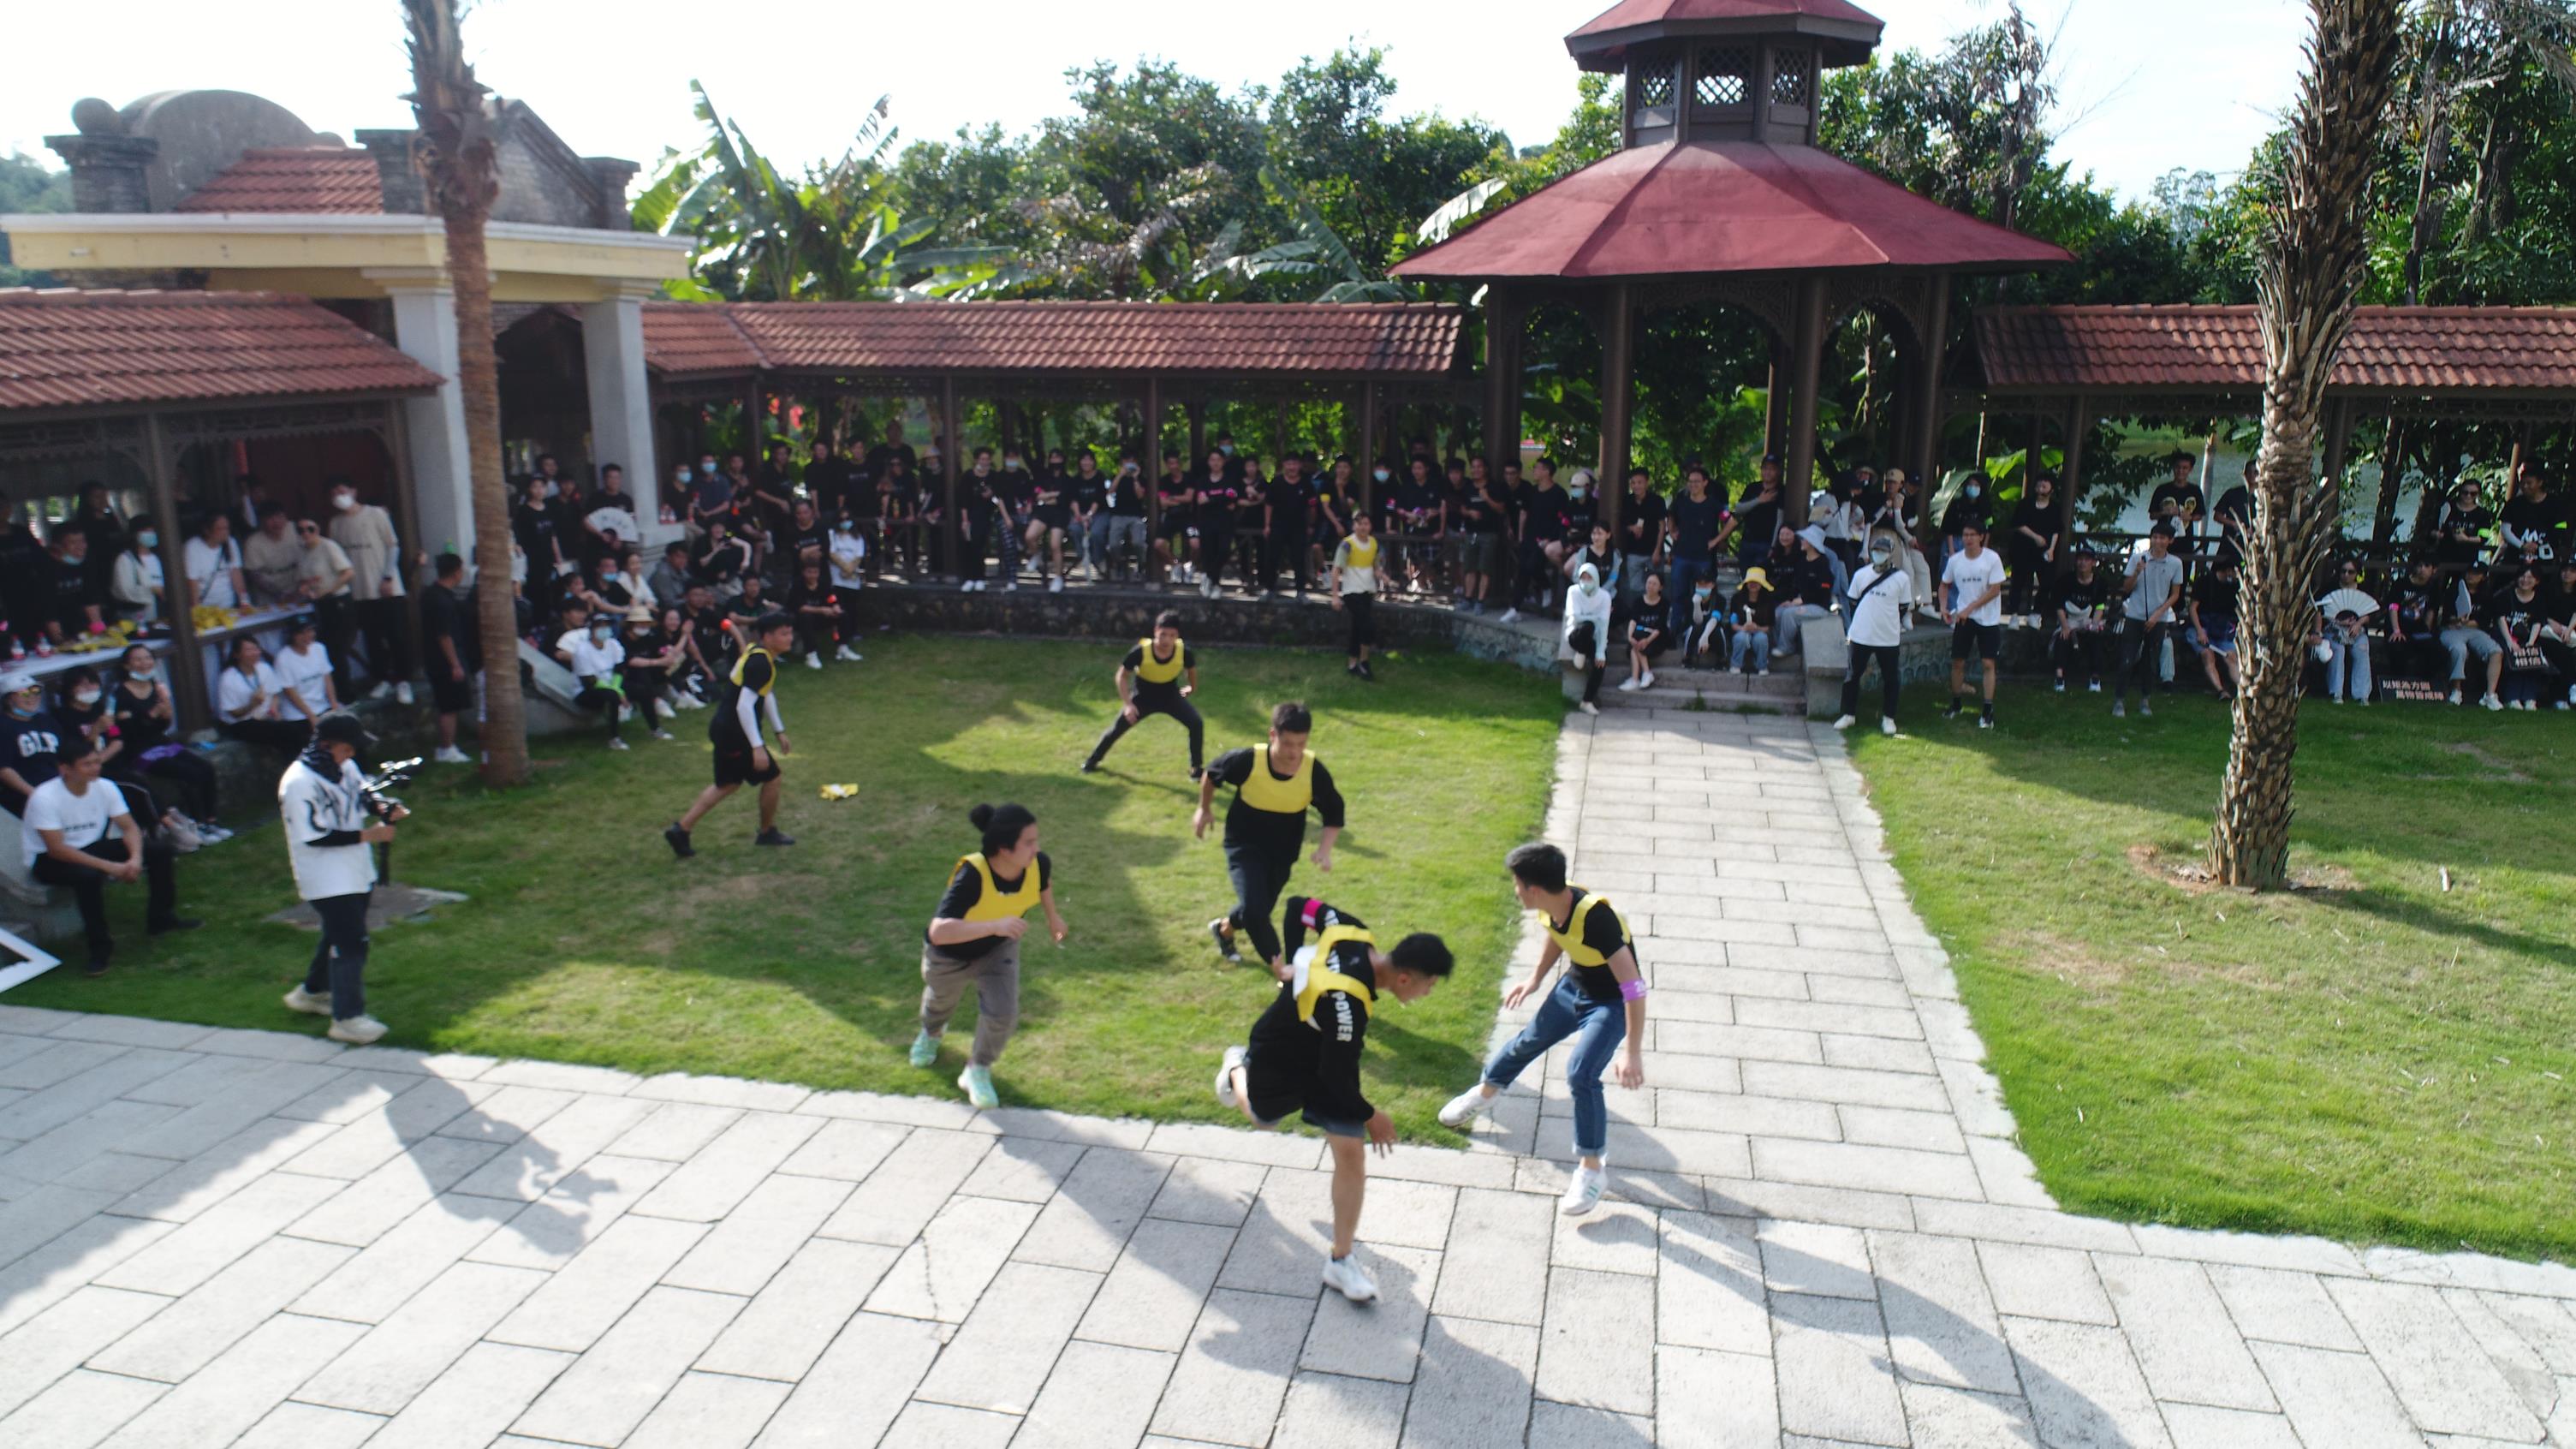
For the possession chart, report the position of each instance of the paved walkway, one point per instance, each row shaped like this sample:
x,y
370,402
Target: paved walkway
x,y
1825,1235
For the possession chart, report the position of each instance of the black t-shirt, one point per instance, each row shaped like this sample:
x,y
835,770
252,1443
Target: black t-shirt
x,y
29,747
1146,688
1217,499
1758,518
1085,492
1269,829
1174,498
70,589
642,647
801,595
1121,497
136,724
725,725
802,536
1316,1066
1804,580
2175,491
1753,606
965,888
827,481
2236,504
1605,932
444,615
1642,523
2518,614
2464,533
720,561
1695,523
706,626
2040,518
880,455
2215,596
2424,608
1546,513
2078,601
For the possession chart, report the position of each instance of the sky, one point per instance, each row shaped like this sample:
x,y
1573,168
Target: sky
x,y
2145,85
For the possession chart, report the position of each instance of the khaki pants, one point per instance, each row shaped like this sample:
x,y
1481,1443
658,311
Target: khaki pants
x,y
995,976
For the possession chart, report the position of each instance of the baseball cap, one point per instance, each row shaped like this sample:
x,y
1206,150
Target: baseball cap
x,y
342,727
16,682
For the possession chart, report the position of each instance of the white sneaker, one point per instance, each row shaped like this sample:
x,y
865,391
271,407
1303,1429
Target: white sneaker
x,y
450,755
183,835
663,734
1012,587
1511,616
618,745
305,1001
846,654
1582,1191
1464,1108
1887,726
967,587
357,1030
1632,684
2490,702
1055,584
1225,1075
402,692
1346,1277
1588,707
2454,697
380,691
1846,722
813,660
1649,681
2094,688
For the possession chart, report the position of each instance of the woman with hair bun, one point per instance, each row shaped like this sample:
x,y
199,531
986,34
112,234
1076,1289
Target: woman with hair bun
x,y
974,940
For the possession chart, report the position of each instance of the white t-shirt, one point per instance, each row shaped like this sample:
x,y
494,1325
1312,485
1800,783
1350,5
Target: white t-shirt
x,y
1973,576
849,554
1878,618
81,818
313,806
210,569
233,692
304,674
590,661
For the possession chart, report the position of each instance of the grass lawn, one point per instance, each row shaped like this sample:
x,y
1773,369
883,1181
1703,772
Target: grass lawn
x,y
2388,1061
585,941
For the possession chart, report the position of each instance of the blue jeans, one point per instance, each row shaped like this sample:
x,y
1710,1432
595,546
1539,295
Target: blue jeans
x,y
1686,572
2351,658
1597,1027
1753,645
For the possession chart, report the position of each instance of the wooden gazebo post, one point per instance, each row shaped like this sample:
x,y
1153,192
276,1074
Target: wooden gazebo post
x,y
1807,361
1924,458
1366,473
1618,325
187,661
1504,314
2079,427
1149,465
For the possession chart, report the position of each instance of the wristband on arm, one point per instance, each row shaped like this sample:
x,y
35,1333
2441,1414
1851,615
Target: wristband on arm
x,y
1633,990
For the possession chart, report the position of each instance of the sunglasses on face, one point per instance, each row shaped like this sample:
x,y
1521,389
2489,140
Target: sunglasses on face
x,y
308,530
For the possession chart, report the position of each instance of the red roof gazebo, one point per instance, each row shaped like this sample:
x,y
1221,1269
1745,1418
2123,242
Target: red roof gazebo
x,y
1722,195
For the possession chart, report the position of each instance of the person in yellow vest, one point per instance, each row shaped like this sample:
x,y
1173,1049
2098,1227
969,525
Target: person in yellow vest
x,y
974,941
741,756
1275,784
1600,1003
1304,1055
1354,590
1158,676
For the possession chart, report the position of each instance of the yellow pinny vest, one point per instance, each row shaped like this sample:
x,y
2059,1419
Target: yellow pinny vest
x,y
1363,555
1317,975
995,904
1263,790
738,664
1570,940
1158,671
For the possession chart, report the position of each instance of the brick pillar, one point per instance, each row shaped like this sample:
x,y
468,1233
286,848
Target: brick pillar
x,y
108,171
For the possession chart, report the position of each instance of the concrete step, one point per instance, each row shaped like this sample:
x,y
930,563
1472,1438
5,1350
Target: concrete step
x,y
1722,691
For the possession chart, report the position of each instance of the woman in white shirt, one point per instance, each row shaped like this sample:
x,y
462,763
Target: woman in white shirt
x,y
134,586
1587,632
305,690
246,702
214,564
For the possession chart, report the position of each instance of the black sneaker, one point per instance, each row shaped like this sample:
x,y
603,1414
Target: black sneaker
x,y
1224,940
175,923
1091,767
773,836
1955,710
1367,673
679,840
96,965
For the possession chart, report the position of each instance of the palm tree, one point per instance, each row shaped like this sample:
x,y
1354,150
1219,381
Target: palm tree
x,y
461,162
2311,277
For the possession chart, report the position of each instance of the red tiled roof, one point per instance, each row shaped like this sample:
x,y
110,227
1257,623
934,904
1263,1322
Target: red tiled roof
x,y
68,348
1411,339
2391,349
1686,208
296,179
1630,13
1849,31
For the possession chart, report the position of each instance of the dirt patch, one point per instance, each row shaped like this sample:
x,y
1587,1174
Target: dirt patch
x,y
2192,875
2501,771
2077,964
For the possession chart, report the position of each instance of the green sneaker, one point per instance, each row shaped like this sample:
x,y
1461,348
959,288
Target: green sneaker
x,y
925,1049
978,1082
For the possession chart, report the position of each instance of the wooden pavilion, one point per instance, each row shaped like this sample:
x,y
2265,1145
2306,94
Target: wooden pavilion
x,y
1721,195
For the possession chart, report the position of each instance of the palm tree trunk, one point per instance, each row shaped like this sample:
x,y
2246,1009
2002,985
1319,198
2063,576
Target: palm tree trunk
x,y
2311,278
478,377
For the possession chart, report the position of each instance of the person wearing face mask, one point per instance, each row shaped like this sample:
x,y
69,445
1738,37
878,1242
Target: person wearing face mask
x,y
1118,520
366,534
30,740
1587,632
1701,620
590,649
675,503
135,591
331,830
142,713
1880,602
1969,505
651,654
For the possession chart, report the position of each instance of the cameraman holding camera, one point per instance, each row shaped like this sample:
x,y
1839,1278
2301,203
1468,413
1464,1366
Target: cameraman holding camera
x,y
331,827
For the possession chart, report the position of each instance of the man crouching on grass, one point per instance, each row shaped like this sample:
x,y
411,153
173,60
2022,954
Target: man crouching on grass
x,y
1304,1055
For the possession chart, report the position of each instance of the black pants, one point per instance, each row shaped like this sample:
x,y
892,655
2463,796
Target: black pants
x,y
1259,875
335,623
1215,543
2029,570
2077,654
1586,650
1147,706
88,885
607,701
1286,544
817,633
386,622
1891,678
340,962
286,736
190,780
645,689
1362,609
2139,647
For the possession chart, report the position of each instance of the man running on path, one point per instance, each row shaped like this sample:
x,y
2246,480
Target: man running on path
x,y
741,756
1158,676
1274,784
1304,1055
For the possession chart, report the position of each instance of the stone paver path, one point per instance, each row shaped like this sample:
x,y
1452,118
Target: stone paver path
x,y
1823,1233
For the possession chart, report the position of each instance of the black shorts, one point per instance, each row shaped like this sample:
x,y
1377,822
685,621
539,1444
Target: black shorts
x,y
1970,639
1055,515
734,765
1271,1102
450,696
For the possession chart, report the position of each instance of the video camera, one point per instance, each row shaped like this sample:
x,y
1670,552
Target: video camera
x,y
378,787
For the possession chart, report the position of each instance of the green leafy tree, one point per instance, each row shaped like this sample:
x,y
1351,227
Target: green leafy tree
x,y
28,185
